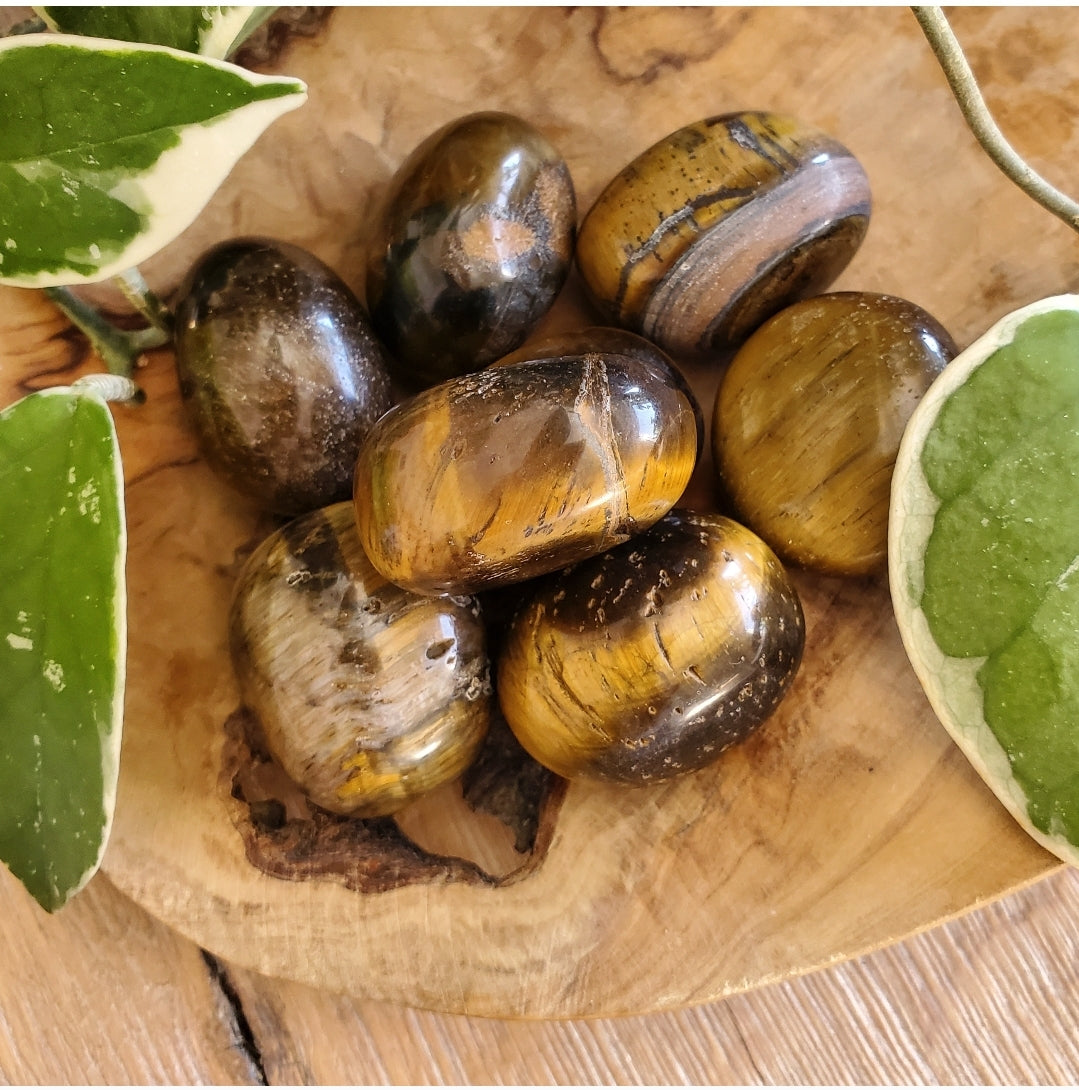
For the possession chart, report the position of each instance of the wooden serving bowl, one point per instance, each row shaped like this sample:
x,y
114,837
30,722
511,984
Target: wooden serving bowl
x,y
850,820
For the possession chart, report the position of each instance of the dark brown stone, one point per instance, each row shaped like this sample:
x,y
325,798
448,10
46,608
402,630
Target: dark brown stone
x,y
279,371
474,244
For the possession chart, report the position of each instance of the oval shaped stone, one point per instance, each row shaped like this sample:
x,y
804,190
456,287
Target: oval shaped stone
x,y
808,421
719,225
609,340
649,661
368,696
280,372
495,477
473,246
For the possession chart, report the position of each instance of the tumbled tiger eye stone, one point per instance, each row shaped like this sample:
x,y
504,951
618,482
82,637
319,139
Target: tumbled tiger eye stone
x,y
495,477
279,372
474,245
610,340
650,660
719,225
367,695
808,420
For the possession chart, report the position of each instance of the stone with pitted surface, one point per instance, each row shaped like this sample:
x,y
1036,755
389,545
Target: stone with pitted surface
x,y
368,696
649,661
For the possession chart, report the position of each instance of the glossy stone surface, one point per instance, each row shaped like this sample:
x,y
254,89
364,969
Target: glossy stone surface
x,y
475,242
279,372
719,225
367,695
611,341
808,421
495,477
648,661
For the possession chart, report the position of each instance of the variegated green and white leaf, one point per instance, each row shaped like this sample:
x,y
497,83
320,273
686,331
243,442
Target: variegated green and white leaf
x,y
210,31
63,637
984,561
108,151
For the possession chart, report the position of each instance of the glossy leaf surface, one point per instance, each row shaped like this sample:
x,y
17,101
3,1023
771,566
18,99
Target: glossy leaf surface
x,y
108,151
210,31
63,634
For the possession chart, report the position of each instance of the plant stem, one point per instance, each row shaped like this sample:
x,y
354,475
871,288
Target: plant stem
x,y
138,293
112,388
967,93
118,349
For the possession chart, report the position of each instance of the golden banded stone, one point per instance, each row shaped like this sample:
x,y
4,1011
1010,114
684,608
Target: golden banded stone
x,y
808,420
649,661
719,225
495,477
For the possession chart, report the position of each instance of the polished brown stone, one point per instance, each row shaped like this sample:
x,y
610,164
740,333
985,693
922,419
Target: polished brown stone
x,y
368,696
808,420
648,661
610,340
473,245
279,371
719,225
495,477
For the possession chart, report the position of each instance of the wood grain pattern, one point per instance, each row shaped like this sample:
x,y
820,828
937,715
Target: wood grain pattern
x,y
851,875
986,1000
102,993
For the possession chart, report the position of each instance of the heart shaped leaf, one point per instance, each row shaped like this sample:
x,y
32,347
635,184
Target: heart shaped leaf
x,y
63,638
212,32
108,152
984,561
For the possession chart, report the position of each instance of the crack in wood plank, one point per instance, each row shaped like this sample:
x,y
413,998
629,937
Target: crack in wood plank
x,y
238,1023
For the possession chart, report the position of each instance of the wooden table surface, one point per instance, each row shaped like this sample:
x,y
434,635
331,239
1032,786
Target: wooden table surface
x,y
104,993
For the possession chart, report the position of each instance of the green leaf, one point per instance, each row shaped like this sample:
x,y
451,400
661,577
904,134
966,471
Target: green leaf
x,y
984,561
108,152
63,637
212,32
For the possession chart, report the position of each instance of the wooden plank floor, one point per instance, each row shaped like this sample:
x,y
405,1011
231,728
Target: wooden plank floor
x,y
103,994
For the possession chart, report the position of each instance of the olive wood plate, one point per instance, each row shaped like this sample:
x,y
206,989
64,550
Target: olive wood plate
x,y
848,822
